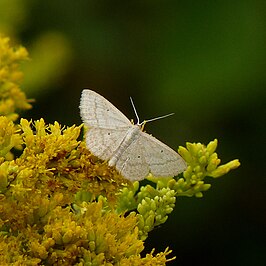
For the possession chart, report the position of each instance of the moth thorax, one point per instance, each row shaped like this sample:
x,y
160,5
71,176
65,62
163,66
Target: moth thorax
x,y
131,136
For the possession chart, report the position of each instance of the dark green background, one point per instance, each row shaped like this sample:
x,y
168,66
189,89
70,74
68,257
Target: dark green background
x,y
203,60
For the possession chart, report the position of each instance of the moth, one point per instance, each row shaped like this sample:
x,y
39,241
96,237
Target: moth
x,y
112,137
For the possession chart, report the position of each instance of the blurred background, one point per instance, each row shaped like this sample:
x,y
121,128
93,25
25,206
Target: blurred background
x,y
202,60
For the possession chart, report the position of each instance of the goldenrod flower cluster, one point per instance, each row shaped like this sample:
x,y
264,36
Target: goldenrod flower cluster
x,y
60,205
12,98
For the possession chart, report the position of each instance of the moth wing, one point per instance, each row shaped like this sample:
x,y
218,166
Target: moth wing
x,y
103,142
162,160
97,112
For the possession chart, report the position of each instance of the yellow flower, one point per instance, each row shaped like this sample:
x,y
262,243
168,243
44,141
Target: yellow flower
x,y
11,97
9,137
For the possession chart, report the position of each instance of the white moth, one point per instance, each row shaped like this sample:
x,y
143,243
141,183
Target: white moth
x,y
134,153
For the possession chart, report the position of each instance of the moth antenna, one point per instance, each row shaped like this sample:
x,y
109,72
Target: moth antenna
x,y
156,118
135,111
